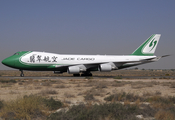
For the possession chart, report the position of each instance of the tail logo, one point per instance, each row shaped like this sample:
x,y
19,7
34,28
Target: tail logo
x,y
151,44
148,47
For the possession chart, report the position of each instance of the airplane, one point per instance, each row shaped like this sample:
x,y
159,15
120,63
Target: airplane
x,y
83,64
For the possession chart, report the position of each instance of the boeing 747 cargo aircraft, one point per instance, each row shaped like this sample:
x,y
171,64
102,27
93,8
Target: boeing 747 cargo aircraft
x,y
83,64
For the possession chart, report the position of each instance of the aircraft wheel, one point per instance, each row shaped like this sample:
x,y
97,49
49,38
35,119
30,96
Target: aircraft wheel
x,y
76,75
90,74
86,74
22,74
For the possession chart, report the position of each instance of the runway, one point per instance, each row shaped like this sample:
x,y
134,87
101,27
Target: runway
x,y
93,77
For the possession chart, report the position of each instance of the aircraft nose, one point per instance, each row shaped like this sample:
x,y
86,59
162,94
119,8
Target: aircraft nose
x,y
8,62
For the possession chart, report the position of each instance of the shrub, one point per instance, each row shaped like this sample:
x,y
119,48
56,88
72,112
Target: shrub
x,y
172,99
167,74
95,112
159,102
1,104
96,92
159,99
118,77
123,97
146,94
48,91
8,81
52,104
164,115
89,97
158,93
27,107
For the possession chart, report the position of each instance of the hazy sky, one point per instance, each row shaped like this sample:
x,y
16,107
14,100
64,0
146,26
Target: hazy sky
x,y
87,27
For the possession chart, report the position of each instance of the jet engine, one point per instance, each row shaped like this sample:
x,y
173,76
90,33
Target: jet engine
x,y
73,70
105,67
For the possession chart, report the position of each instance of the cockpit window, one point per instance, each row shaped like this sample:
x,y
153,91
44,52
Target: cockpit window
x,y
16,54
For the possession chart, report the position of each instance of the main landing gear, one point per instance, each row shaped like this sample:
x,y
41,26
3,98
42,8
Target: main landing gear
x,y
83,74
22,74
76,75
86,74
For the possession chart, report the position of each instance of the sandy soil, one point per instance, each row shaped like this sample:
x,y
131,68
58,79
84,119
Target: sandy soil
x,y
74,91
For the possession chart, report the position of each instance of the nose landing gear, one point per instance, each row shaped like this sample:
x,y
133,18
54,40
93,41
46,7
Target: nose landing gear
x,y
22,74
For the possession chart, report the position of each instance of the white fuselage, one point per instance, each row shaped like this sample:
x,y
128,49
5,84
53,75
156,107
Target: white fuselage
x,y
36,58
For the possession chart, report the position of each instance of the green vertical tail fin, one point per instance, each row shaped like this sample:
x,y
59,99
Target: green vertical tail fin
x,y
148,47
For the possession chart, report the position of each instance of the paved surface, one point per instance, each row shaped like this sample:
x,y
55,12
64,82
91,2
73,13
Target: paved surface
x,y
107,77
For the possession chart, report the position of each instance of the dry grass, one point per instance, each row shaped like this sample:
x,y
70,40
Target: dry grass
x,y
127,91
27,107
89,97
161,105
90,83
46,84
122,96
68,95
158,93
48,91
20,83
166,83
164,115
97,84
6,85
172,85
37,87
147,94
101,84
159,102
13,92
96,92
61,86
78,85
119,83
126,102
141,84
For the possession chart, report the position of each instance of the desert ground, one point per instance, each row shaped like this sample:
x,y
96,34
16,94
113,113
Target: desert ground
x,y
87,89
74,90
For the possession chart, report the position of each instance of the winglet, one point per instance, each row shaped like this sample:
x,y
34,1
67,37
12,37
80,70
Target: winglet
x,y
148,47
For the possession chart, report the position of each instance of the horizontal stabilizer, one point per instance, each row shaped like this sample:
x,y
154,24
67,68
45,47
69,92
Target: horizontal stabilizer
x,y
165,56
